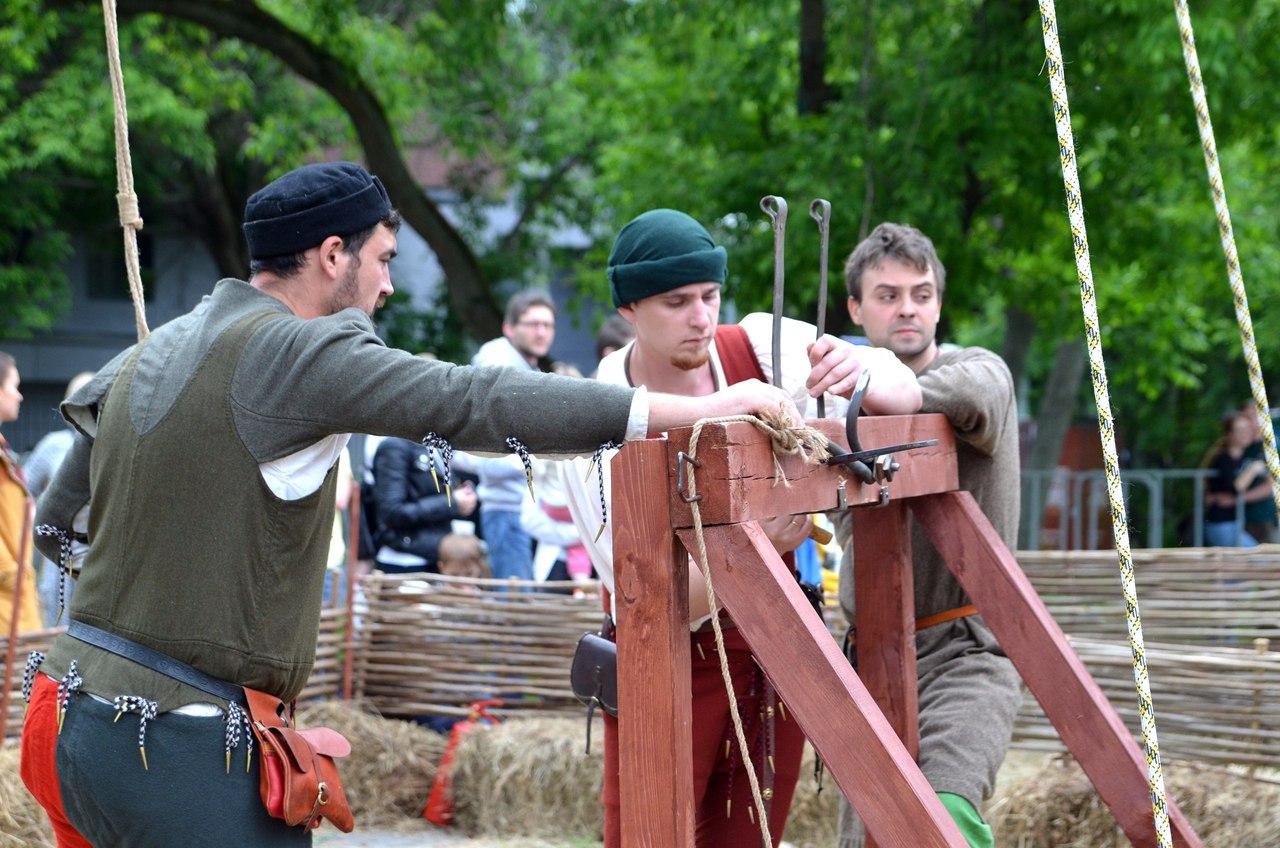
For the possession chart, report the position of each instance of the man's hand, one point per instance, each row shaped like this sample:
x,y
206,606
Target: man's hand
x,y
746,398
835,367
837,364
787,532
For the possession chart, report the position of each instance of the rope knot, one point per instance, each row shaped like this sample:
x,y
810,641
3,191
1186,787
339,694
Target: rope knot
x,y
130,214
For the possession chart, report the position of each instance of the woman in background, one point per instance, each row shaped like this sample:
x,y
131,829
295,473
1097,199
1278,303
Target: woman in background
x,y
14,516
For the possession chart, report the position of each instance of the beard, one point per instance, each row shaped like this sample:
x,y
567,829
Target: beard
x,y
691,360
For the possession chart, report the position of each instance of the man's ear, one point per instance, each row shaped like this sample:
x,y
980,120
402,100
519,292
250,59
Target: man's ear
x,y
855,311
508,330
628,313
330,255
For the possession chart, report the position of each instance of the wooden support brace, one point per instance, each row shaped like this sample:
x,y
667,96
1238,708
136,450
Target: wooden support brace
x,y
1085,720
855,741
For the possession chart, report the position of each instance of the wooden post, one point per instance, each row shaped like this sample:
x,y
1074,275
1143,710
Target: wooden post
x,y
651,595
1070,697
885,602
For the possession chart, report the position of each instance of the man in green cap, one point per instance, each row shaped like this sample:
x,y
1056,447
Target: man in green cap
x,y
665,276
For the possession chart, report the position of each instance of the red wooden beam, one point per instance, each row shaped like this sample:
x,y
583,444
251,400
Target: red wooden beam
x,y
855,741
1083,716
737,483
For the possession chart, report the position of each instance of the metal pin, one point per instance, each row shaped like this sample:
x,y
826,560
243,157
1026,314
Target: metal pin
x,y
752,814
820,211
117,718
703,654
776,209
591,466
62,714
143,751
435,478
600,532
448,494
771,768
782,708
528,478
228,761
726,749
728,807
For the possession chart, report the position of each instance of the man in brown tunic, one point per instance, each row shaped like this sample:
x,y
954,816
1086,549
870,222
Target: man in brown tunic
x,y
969,690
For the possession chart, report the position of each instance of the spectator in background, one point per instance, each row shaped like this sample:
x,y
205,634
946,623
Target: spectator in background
x,y
13,516
528,329
40,467
1260,515
560,554
1223,526
413,514
527,332
462,555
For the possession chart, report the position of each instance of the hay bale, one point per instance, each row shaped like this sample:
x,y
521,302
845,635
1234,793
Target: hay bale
x,y
23,824
529,777
812,820
392,762
1058,808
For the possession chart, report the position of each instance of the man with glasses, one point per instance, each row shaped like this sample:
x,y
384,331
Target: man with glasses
x,y
528,328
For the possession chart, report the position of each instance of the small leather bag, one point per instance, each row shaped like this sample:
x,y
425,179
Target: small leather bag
x,y
594,672
299,779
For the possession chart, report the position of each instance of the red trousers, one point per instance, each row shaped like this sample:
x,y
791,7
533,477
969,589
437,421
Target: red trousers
x,y
38,766
722,790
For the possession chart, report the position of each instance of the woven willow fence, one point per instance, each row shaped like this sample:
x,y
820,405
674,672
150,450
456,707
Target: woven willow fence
x,y
432,646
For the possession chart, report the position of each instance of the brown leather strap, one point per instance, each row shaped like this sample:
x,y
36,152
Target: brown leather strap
x,y
936,618
736,356
946,615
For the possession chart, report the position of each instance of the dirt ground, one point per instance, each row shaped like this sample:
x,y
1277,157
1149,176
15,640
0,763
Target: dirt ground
x,y
1018,765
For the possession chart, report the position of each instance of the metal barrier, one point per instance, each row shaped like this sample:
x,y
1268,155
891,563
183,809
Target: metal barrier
x,y
1079,499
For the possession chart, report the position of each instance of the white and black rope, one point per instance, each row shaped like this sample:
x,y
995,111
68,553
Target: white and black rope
x,y
34,659
146,710
64,561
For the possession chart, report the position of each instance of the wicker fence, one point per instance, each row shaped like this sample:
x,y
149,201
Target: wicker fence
x,y
433,646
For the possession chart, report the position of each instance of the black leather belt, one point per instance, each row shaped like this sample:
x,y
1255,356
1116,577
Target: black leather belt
x,y
155,661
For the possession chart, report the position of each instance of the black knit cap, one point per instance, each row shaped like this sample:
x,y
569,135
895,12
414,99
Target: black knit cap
x,y
309,204
662,250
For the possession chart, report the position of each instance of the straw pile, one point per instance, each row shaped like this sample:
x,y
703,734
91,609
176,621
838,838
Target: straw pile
x,y
23,823
392,762
530,777
1058,808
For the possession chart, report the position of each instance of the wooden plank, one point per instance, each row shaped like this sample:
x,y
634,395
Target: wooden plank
x,y
651,592
1091,729
840,718
885,602
737,481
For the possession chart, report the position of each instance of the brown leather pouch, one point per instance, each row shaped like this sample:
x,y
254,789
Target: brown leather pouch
x,y
594,673
299,779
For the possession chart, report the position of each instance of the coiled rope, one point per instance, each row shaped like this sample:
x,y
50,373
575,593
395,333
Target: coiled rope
x,y
1106,427
126,199
787,439
1243,318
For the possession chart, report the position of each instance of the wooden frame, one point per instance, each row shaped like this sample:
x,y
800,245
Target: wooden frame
x,y
856,724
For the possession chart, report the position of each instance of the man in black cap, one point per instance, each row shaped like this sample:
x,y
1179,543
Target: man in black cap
x,y
208,453
665,274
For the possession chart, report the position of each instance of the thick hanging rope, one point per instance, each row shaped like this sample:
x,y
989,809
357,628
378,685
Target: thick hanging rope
x,y
1106,428
1243,318
126,200
787,439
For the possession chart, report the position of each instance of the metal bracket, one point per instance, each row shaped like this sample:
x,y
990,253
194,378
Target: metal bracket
x,y
681,459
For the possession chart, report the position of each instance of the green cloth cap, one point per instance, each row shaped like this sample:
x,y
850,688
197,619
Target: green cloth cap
x,y
662,250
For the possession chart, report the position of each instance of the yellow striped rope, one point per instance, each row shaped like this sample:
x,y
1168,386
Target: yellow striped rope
x,y
1243,318
1119,522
